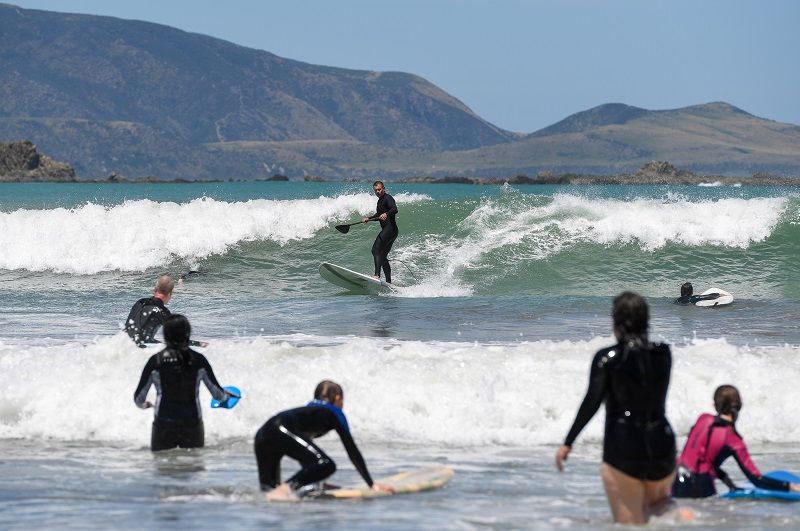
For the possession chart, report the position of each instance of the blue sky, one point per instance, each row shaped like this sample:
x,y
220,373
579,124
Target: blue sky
x,y
522,65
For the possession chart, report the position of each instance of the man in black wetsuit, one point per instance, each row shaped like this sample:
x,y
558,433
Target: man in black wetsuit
x,y
385,213
148,314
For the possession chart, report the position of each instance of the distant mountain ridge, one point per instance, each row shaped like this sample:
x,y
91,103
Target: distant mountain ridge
x,y
137,98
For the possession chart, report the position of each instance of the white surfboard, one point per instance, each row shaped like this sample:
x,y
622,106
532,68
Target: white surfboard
x,y
723,299
418,480
351,280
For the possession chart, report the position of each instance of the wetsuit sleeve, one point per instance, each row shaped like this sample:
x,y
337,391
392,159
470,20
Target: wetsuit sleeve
x,y
206,373
742,456
593,399
145,381
725,478
392,206
352,451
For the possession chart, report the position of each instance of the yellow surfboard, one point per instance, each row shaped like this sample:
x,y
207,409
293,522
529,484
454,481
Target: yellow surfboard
x,y
417,480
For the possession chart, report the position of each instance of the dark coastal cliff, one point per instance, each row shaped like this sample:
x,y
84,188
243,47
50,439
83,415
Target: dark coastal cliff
x,y
20,162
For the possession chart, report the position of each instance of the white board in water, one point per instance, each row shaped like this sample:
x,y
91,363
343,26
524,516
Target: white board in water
x,y
351,280
418,480
723,299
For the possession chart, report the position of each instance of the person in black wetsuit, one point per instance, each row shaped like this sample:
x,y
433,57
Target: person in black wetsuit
x,y
385,213
149,314
291,433
688,297
176,373
632,378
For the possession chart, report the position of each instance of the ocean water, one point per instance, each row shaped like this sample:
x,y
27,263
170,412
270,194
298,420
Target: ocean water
x,y
478,361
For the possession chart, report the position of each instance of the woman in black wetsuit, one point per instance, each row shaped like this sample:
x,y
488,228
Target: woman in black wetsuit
x,y
385,213
632,378
176,373
291,433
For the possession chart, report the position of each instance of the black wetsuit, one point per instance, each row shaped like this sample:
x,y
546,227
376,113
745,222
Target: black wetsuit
x,y
291,432
178,418
145,320
385,239
633,382
694,299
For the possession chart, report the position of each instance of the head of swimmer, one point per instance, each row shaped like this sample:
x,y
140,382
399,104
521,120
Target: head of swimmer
x,y
379,188
330,392
687,290
163,289
177,332
631,317
727,402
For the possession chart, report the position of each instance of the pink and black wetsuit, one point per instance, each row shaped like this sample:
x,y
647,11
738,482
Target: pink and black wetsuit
x,y
711,441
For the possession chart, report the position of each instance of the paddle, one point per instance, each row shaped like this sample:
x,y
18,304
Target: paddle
x,y
344,229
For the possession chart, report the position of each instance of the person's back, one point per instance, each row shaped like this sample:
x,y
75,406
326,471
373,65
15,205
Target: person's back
x,y
176,373
149,314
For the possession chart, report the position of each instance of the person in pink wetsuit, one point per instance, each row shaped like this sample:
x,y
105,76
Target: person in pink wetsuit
x,y
711,441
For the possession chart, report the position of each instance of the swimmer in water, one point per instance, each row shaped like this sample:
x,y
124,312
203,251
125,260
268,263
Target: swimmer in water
x,y
713,439
291,433
688,297
176,373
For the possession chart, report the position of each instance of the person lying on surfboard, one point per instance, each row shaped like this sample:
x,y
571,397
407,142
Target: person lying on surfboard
x,y
385,213
291,433
713,439
688,297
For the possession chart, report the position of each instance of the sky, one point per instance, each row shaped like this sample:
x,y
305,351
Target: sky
x,y
521,65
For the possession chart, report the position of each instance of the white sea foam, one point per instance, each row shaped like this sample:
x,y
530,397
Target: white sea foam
x,y
433,392
514,230
137,235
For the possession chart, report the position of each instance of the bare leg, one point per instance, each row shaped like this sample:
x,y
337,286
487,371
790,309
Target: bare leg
x,y
626,496
657,495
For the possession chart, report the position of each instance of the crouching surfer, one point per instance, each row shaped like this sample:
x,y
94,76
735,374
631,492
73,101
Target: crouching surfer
x,y
711,441
291,433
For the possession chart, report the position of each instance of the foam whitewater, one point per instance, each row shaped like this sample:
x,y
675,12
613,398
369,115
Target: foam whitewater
x,y
140,234
445,393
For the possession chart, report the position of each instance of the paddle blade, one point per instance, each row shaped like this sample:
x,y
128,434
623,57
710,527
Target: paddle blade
x,y
344,229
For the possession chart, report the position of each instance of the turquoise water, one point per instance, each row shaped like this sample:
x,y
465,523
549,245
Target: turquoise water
x,y
478,360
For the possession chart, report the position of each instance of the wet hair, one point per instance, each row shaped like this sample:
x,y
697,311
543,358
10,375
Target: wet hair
x,y
631,317
727,401
376,183
165,285
327,390
177,331
687,289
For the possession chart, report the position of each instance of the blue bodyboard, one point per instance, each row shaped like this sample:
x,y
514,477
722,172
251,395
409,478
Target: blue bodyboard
x,y
763,494
229,402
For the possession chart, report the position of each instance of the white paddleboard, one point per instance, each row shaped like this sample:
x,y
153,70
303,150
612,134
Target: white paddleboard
x,y
418,480
723,299
350,280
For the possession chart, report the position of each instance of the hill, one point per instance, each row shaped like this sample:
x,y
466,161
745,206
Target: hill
x,y
110,95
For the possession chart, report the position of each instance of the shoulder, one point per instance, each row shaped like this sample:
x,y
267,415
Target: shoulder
x,y
201,359
660,348
603,356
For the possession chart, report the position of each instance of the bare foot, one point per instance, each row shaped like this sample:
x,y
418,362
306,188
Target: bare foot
x,y
282,493
376,277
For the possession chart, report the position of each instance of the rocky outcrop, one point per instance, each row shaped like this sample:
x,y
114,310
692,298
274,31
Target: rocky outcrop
x,y
20,162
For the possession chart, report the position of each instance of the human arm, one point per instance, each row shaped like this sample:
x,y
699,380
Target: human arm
x,y
145,381
206,373
739,451
352,451
591,403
